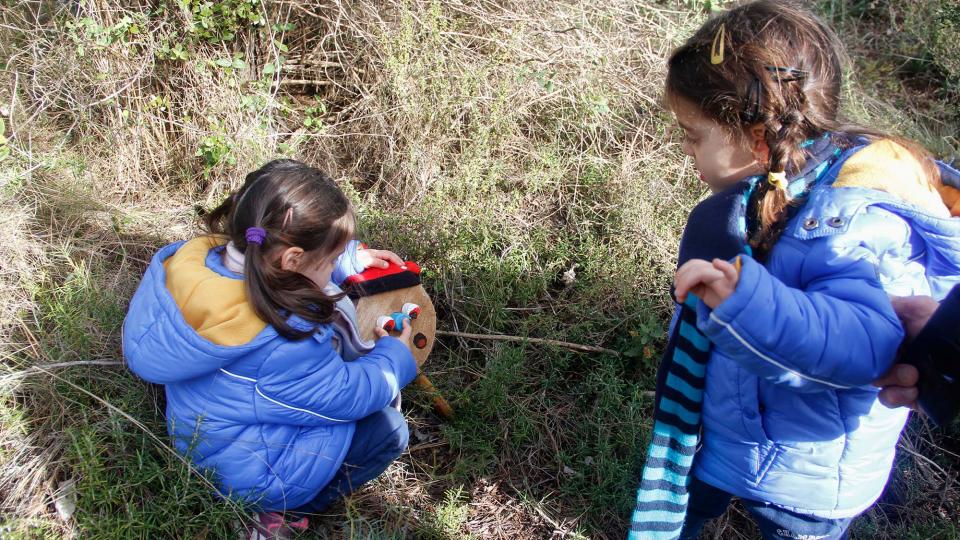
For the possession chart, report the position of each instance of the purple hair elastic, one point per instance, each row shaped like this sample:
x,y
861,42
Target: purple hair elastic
x,y
255,235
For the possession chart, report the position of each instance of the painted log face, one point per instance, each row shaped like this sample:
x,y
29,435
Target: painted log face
x,y
370,308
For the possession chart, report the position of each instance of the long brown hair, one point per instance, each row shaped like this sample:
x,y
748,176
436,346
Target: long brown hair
x,y
297,205
782,68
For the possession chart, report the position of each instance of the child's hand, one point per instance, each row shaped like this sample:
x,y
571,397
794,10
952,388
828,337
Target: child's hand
x,y
404,334
379,258
711,282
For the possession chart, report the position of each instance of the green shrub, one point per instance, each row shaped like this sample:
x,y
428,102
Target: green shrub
x,y
221,20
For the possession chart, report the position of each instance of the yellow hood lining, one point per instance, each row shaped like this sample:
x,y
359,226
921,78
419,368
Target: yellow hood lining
x,y
887,166
215,306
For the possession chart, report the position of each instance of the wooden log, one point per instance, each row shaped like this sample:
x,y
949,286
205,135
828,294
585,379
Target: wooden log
x,y
369,308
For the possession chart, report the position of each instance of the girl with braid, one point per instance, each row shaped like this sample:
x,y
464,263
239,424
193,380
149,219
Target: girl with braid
x,y
785,278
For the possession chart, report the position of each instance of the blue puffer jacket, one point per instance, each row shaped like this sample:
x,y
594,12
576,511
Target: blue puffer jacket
x,y
789,414
271,417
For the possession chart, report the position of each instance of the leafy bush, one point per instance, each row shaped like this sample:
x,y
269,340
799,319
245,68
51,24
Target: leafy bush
x,y
221,20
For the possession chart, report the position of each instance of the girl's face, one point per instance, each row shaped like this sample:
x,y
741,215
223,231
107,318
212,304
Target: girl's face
x,y
323,269
721,158
319,272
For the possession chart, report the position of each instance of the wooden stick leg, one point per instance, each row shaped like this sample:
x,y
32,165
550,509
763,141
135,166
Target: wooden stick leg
x,y
440,405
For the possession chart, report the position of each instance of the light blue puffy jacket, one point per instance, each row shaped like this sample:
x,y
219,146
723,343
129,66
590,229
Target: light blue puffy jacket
x,y
789,414
272,418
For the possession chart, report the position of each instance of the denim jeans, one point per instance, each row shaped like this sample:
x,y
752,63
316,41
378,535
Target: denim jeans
x,y
378,440
775,523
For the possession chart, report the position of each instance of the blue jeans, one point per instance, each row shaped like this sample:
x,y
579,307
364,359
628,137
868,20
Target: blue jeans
x,y
378,440
708,502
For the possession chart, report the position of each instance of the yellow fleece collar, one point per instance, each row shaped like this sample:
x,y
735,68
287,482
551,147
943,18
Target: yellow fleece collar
x,y
951,197
215,306
887,166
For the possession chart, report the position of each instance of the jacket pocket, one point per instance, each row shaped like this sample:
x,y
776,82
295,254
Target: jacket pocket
x,y
766,455
753,423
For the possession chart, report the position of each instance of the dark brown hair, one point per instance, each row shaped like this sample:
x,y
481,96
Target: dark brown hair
x,y
782,68
297,205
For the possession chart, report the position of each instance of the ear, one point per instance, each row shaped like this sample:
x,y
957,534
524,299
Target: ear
x,y
756,135
290,258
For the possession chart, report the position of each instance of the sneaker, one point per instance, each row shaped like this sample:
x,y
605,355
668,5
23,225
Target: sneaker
x,y
273,526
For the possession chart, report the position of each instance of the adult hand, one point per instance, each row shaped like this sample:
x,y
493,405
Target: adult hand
x,y
914,312
712,282
404,336
378,258
899,385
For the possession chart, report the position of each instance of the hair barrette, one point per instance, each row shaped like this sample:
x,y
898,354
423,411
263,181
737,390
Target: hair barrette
x,y
716,49
755,101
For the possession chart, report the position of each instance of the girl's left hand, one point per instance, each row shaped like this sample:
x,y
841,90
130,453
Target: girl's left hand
x,y
404,335
378,258
711,282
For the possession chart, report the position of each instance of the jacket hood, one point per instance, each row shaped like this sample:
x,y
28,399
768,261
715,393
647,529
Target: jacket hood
x,y
189,316
889,167
950,188
881,175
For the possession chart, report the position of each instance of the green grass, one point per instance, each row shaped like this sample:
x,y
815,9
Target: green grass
x,y
130,487
499,147
905,53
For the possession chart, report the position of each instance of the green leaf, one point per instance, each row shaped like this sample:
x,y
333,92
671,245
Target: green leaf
x,y
239,64
269,69
224,62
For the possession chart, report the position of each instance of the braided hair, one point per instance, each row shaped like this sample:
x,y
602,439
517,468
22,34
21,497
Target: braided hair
x,y
781,68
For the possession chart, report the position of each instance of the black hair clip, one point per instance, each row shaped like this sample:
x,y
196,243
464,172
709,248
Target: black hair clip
x,y
787,74
755,92
755,99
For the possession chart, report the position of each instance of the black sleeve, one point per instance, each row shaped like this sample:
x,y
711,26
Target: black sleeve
x,y
936,354
951,310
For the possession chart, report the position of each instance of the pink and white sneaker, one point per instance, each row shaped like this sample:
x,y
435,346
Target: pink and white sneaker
x,y
273,526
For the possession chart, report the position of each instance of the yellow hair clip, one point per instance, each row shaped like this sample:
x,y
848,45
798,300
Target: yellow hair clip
x,y
716,51
777,179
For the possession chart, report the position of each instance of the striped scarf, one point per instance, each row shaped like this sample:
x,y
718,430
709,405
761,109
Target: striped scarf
x,y
717,228
662,497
